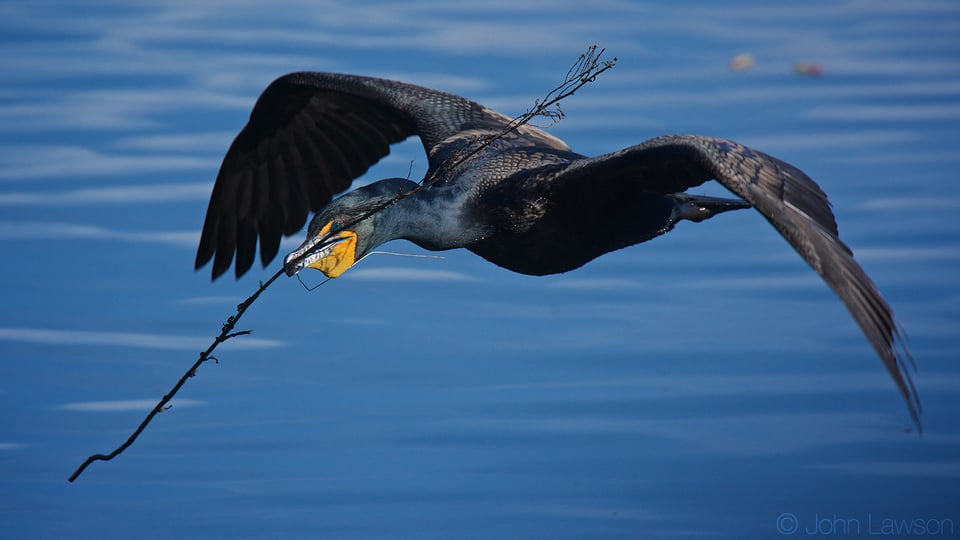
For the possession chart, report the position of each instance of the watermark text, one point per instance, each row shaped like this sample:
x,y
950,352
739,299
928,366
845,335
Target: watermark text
x,y
836,525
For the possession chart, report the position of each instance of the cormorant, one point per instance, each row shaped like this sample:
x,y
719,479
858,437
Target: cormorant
x,y
520,198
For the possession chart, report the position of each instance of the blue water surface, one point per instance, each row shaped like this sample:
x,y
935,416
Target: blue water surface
x,y
705,384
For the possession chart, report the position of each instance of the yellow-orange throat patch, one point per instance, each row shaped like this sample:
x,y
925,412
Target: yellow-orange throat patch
x,y
342,254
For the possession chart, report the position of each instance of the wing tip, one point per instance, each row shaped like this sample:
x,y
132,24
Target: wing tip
x,y
906,364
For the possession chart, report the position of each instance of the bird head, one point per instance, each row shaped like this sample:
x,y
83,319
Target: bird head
x,y
339,234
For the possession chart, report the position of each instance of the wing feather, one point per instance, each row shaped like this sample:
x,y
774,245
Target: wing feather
x,y
308,137
792,202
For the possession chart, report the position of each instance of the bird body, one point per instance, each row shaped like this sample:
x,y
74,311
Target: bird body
x,y
515,195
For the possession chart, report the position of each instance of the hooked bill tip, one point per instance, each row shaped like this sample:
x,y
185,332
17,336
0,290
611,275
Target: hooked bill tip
x,y
291,264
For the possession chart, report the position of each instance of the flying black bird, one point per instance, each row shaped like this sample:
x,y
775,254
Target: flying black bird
x,y
520,198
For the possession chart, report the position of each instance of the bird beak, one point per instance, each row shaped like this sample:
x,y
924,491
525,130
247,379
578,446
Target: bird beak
x,y
331,254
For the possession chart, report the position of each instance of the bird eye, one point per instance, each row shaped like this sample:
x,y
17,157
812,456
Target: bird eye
x,y
336,227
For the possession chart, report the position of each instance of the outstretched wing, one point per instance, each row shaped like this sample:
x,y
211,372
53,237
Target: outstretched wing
x,y
309,135
791,202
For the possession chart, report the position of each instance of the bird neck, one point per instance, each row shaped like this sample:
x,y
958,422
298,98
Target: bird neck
x,y
430,218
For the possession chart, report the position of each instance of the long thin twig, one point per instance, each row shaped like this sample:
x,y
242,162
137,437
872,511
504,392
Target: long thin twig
x,y
585,70
226,332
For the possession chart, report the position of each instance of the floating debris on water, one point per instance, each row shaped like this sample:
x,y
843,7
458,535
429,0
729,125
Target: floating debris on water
x,y
742,62
808,68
